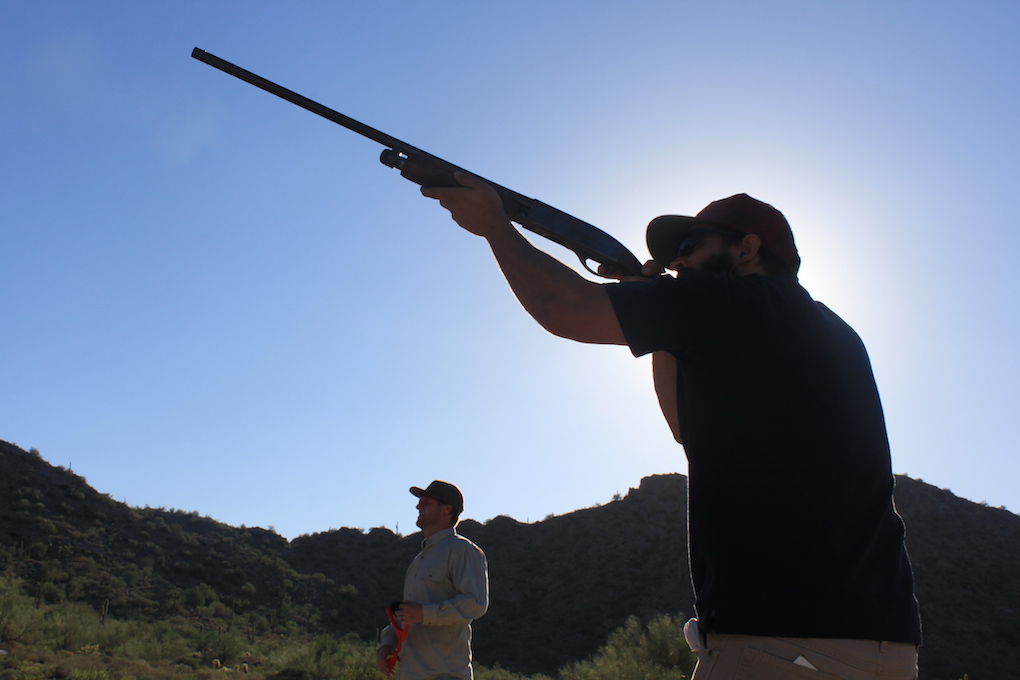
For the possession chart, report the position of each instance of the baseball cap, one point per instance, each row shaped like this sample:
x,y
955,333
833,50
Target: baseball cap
x,y
444,492
739,212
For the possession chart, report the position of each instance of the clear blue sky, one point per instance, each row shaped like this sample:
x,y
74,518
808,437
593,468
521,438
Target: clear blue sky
x,y
213,300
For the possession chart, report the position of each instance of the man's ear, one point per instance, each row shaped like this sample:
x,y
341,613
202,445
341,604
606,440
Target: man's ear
x,y
749,247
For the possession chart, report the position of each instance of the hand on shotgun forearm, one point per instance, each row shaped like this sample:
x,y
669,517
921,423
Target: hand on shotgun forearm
x,y
474,205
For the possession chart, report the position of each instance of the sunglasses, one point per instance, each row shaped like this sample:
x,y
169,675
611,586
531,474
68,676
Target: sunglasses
x,y
689,244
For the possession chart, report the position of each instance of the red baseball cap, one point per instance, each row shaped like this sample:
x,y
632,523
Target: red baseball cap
x,y
739,212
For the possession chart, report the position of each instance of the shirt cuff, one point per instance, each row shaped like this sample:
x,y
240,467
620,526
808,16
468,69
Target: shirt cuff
x,y
388,637
429,613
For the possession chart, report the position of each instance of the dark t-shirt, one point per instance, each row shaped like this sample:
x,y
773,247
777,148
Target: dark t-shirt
x,y
792,530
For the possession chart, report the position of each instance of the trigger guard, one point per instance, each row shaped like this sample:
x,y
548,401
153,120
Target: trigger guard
x,y
584,263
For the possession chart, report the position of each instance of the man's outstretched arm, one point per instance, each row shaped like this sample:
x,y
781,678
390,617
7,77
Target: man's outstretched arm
x,y
561,300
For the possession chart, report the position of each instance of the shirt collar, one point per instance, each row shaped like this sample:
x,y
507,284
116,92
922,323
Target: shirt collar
x,y
437,537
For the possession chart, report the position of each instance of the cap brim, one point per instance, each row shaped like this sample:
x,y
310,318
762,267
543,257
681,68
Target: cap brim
x,y
664,235
421,493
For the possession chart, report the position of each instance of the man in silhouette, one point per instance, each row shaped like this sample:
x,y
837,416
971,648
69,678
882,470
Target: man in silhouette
x,y
796,551
445,589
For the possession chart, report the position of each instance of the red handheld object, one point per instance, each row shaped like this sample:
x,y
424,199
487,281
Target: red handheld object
x,y
401,632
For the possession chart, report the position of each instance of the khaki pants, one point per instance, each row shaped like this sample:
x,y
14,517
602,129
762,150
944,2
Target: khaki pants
x,y
751,657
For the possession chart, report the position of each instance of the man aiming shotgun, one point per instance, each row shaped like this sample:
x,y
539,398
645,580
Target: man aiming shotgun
x,y
795,547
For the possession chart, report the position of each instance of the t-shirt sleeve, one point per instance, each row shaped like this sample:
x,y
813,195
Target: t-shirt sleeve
x,y
668,314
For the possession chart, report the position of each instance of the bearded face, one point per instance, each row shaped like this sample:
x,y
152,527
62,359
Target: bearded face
x,y
716,263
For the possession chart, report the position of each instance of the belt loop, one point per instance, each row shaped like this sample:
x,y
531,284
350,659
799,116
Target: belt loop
x,y
882,646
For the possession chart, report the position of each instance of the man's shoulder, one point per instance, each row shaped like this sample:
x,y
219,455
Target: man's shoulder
x,y
461,542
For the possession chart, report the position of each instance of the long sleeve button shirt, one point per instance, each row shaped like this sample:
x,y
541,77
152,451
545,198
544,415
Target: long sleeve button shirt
x,y
449,577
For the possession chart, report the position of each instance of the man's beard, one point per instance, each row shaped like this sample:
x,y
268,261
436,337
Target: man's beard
x,y
719,263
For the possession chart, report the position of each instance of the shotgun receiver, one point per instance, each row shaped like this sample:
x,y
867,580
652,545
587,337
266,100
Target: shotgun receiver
x,y
588,242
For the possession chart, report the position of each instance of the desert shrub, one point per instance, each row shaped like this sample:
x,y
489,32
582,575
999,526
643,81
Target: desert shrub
x,y
200,596
500,673
226,647
326,658
71,626
635,652
37,550
50,592
20,621
153,642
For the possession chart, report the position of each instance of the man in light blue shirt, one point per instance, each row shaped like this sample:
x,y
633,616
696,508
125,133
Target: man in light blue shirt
x,y
445,589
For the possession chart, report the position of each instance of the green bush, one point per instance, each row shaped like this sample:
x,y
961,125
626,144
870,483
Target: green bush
x,y
71,626
51,593
327,658
20,621
633,652
201,595
90,675
37,551
499,673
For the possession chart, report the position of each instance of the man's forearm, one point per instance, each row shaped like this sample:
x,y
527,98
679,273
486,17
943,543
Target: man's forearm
x,y
462,609
388,636
562,301
557,297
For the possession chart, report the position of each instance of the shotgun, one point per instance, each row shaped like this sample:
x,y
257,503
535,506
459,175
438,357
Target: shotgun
x,y
588,242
